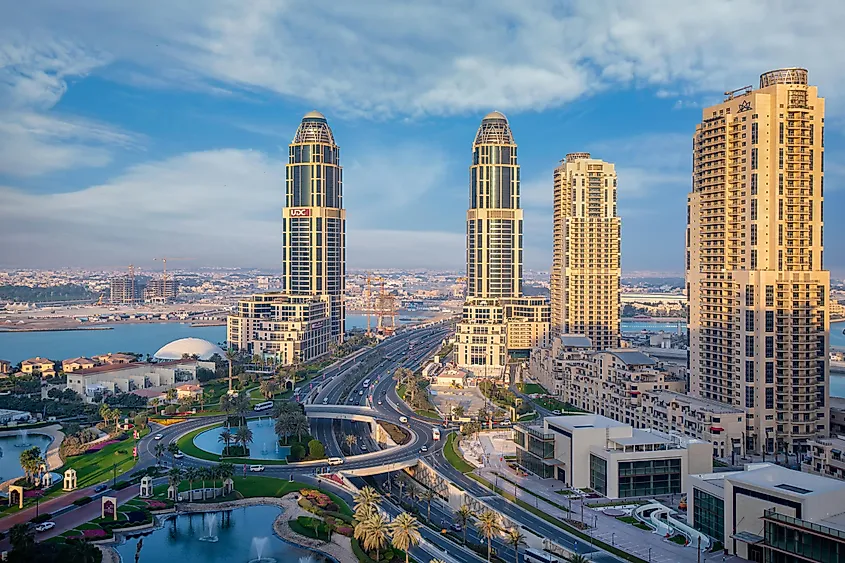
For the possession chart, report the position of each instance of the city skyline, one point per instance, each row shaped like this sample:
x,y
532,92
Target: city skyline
x,y
171,158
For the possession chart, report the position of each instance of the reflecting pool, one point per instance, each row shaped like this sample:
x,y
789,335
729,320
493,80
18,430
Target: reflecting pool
x,y
11,448
242,535
264,440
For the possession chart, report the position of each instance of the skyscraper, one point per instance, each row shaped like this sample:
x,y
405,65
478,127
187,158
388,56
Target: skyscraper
x,y
314,220
756,283
586,270
497,319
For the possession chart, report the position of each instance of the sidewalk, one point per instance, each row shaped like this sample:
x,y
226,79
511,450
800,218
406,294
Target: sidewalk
x,y
645,545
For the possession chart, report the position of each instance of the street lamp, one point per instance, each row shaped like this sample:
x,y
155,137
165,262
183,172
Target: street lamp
x,y
612,539
114,474
649,555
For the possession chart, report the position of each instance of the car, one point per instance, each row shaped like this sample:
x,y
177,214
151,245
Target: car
x,y
178,455
456,527
100,488
424,449
381,402
363,447
326,401
158,437
44,526
256,468
361,392
556,411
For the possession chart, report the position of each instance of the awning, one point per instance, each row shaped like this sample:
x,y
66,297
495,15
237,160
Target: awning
x,y
747,537
837,451
716,429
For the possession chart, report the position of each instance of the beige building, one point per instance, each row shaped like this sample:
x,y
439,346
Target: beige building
x,y
756,282
826,457
610,457
112,359
290,328
5,367
127,378
314,220
496,318
770,513
74,364
586,269
40,366
837,415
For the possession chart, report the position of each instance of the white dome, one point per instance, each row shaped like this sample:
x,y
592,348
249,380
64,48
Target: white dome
x,y
191,346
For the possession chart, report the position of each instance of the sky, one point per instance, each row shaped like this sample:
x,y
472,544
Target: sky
x,y
134,130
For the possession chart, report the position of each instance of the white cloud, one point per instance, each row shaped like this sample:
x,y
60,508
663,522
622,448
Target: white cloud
x,y
218,207
389,56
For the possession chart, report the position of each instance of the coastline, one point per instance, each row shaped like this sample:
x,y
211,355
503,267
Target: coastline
x,y
68,329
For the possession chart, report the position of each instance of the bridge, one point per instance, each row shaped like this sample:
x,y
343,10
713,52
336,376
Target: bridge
x,y
344,412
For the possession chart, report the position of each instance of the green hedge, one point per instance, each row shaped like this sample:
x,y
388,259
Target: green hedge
x,y
43,517
120,485
82,500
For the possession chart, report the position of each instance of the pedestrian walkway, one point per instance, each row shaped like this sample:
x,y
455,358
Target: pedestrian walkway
x,y
544,496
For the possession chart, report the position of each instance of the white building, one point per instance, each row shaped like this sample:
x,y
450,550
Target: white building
x,y
770,513
127,378
610,457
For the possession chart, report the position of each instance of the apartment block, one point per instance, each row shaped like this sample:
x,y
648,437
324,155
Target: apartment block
x,y
290,328
826,457
586,269
756,282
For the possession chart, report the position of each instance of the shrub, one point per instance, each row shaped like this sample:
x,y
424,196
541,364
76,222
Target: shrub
x,y
306,504
297,452
316,450
95,534
43,517
121,485
82,500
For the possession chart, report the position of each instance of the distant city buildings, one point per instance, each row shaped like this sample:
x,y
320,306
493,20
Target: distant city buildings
x,y
161,290
756,281
494,301
308,316
586,269
125,290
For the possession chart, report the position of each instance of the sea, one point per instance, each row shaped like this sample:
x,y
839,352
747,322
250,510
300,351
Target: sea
x,y
147,338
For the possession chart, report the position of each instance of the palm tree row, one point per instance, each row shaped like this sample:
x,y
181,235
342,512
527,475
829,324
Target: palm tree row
x,y
374,529
214,473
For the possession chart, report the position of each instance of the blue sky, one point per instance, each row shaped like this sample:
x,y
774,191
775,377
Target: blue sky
x,y
129,131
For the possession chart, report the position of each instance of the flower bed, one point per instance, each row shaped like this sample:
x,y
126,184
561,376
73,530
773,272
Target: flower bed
x,y
33,493
320,500
157,505
99,446
96,534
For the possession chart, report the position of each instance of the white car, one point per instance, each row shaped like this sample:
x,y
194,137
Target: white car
x,y
178,455
256,468
44,526
363,447
424,449
381,402
158,437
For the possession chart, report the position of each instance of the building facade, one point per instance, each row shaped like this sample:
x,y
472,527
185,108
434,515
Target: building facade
x,y
495,303
314,220
161,290
292,329
610,457
771,514
756,282
586,270
126,378
39,366
826,457
125,290
73,364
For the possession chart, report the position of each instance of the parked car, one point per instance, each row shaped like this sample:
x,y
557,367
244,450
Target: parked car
x,y
44,526
256,468
158,437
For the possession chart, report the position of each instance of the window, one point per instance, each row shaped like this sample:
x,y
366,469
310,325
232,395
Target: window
x,y
749,321
770,346
749,295
770,296
754,159
770,398
780,159
709,515
754,234
754,184
754,209
770,321
749,345
780,184
770,372
749,371
649,477
754,133
749,397
753,258
598,474
780,132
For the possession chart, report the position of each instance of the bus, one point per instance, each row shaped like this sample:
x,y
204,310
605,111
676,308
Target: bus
x,y
536,556
263,406
435,433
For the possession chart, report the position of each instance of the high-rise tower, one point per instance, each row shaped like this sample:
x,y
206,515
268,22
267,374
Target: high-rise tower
x,y
313,220
755,278
496,319
494,219
586,270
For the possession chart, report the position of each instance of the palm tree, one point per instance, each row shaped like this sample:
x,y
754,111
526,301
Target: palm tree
x,y
226,404
174,477
515,538
225,437
158,451
373,533
300,426
105,413
214,474
191,474
405,531
21,537
202,474
204,396
172,448
31,460
489,526
227,470
464,515
243,436
230,355
350,440
458,411
366,502
284,423
426,495
171,394
241,407
577,558
268,387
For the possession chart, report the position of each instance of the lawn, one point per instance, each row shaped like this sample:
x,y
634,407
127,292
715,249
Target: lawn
x,y
453,456
97,467
532,388
553,404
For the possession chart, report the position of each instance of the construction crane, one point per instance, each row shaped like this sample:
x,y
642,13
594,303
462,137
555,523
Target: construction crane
x,y
164,264
383,307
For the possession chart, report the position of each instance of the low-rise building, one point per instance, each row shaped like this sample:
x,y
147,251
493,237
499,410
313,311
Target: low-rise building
x,y
9,416
188,391
610,457
452,377
770,513
5,367
127,378
39,366
112,359
837,415
827,457
73,364
289,328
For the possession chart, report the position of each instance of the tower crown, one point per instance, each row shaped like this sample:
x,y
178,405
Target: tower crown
x,y
494,130
314,129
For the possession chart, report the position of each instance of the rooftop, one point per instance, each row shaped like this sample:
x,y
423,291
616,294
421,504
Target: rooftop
x,y
578,421
633,358
640,437
708,405
575,341
133,365
789,482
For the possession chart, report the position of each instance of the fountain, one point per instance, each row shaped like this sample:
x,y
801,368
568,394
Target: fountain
x,y
307,559
24,434
211,537
258,544
277,447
